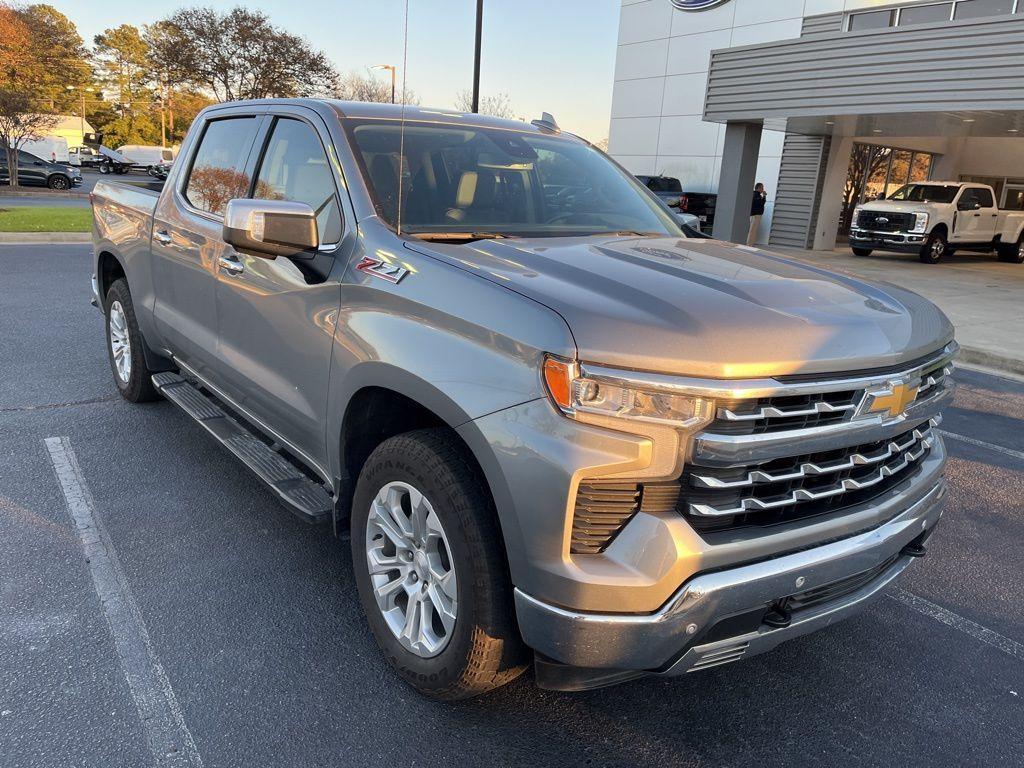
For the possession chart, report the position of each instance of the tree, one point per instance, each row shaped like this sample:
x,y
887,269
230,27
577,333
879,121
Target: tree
x,y
20,122
356,87
122,59
58,58
241,55
498,105
26,80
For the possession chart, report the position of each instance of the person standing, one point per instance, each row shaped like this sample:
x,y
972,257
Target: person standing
x,y
756,212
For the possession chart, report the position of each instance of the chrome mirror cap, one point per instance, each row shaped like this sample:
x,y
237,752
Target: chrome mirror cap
x,y
271,228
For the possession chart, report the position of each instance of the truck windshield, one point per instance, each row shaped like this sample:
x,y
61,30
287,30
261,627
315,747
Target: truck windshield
x,y
926,193
487,181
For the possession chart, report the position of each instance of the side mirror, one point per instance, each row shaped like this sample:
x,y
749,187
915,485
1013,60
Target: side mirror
x,y
271,228
37,162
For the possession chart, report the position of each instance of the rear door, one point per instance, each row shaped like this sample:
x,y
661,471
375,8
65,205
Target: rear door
x,y
32,170
187,241
277,316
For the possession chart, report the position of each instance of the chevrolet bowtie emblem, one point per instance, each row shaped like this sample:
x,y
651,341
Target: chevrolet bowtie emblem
x,y
891,400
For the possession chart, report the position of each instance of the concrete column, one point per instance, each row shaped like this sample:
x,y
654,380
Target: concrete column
x,y
736,183
831,204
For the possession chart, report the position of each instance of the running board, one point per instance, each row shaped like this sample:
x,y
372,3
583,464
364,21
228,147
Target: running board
x,y
306,498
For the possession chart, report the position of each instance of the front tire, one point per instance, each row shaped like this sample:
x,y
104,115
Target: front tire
x,y
124,347
58,182
934,249
861,251
430,568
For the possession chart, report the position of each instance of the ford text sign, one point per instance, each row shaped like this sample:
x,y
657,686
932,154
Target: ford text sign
x,y
696,5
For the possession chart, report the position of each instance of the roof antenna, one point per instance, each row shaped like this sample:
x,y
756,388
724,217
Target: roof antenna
x,y
547,123
401,130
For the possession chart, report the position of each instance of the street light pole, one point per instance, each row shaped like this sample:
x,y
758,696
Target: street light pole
x,y
392,70
476,56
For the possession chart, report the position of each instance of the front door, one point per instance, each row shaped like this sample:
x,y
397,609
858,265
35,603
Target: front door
x,y
976,216
187,238
277,316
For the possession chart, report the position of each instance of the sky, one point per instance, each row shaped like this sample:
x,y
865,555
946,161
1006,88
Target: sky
x,y
554,56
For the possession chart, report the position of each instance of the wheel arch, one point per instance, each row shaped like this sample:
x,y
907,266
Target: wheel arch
x,y
108,269
382,401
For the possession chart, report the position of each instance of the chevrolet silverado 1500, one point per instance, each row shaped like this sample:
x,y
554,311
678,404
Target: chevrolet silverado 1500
x,y
935,218
555,428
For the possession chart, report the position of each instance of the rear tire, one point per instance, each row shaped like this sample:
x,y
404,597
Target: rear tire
x,y
1012,253
480,648
934,249
861,251
125,347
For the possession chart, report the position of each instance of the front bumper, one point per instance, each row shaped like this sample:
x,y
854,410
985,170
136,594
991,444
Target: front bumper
x,y
906,242
726,615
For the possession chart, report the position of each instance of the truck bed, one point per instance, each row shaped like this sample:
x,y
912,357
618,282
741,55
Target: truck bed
x,y
123,215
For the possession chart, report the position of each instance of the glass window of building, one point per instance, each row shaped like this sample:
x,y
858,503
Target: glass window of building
x,y
871,20
924,14
973,9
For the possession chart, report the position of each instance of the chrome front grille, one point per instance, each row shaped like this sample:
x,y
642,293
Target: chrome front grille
x,y
778,413
799,487
769,414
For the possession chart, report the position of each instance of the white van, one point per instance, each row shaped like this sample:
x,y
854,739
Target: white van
x,y
146,156
51,148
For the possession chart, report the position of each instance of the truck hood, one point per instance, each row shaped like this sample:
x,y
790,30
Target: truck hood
x,y
706,308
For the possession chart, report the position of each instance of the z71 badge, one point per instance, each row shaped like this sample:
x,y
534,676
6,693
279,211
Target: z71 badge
x,y
393,273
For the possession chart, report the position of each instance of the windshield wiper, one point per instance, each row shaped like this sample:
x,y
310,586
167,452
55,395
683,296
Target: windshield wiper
x,y
457,236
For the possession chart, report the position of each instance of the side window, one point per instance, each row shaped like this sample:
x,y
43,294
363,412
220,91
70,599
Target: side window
x,y
294,167
218,170
985,198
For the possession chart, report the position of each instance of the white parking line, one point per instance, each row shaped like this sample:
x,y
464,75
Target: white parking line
x,y
958,622
167,735
983,444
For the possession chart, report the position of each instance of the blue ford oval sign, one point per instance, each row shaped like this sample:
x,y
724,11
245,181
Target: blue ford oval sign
x,y
696,5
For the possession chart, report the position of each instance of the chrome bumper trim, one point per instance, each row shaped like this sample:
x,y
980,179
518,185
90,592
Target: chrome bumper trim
x,y
95,300
650,642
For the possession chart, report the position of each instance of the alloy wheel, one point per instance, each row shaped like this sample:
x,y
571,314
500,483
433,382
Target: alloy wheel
x,y
120,342
411,569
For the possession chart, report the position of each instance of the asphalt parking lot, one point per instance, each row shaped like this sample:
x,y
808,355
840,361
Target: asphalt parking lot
x,y
252,618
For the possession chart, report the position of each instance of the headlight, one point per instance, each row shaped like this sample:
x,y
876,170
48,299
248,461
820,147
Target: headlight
x,y
578,394
921,222
856,218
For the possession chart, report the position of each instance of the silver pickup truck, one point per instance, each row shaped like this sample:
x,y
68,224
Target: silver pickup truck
x,y
555,429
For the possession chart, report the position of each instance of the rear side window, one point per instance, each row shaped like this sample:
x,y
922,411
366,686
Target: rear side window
x,y
294,167
218,170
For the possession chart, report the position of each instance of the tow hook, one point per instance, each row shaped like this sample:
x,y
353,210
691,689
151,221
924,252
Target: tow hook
x,y
778,616
913,549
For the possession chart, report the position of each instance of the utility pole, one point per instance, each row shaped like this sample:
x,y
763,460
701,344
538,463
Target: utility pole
x,y
391,68
476,56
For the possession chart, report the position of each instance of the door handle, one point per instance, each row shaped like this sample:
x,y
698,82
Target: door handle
x,y
162,236
230,266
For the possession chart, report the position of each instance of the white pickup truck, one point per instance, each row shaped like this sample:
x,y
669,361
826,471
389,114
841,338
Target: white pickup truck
x,y
935,218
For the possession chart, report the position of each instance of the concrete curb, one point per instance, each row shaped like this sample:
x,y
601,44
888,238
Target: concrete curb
x,y
969,356
31,238
41,192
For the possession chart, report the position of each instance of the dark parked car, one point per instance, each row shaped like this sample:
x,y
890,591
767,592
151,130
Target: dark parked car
x,y
700,204
35,172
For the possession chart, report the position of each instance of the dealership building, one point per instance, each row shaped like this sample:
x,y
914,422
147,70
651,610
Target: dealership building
x,y
827,102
